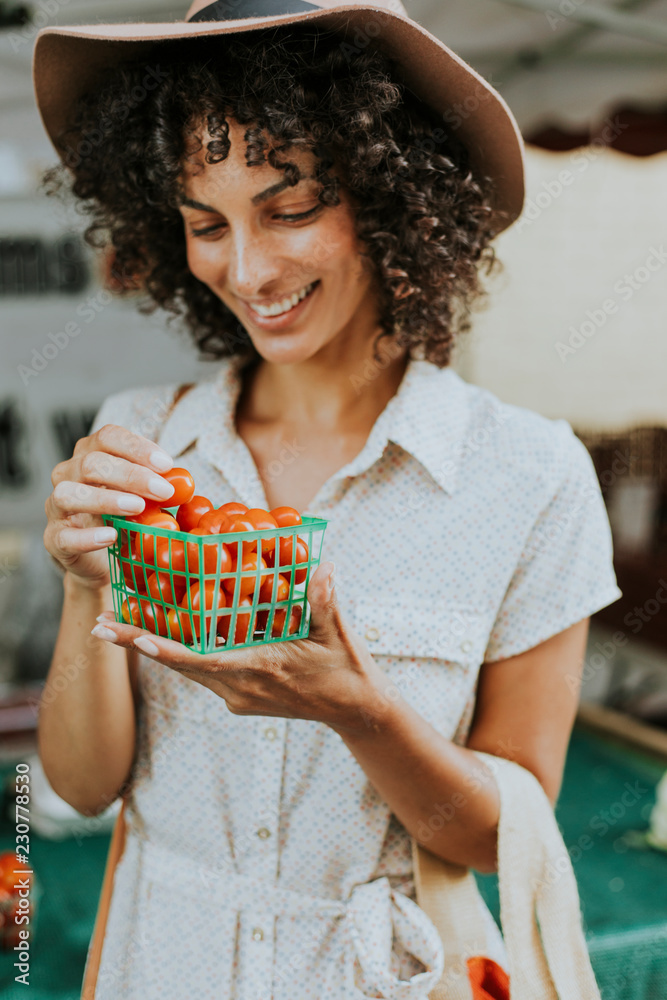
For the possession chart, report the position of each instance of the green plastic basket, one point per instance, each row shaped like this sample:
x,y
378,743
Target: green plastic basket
x,y
272,620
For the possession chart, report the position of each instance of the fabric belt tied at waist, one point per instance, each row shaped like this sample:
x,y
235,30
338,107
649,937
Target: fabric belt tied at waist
x,y
373,915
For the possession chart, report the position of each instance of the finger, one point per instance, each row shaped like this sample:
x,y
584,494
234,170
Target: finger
x,y
81,498
167,651
99,468
72,542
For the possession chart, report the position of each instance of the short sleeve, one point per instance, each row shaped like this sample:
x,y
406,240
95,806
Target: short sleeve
x,y
143,411
565,572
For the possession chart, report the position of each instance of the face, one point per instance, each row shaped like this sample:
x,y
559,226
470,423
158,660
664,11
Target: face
x,y
287,266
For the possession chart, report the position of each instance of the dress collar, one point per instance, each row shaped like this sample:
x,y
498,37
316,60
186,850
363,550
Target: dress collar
x,y
427,417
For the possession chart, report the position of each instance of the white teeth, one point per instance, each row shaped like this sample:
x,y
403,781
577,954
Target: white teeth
x,y
278,308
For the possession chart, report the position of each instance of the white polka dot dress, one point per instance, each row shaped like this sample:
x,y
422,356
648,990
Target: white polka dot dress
x,y
260,863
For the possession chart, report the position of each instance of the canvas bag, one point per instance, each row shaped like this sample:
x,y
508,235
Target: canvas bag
x,y
539,901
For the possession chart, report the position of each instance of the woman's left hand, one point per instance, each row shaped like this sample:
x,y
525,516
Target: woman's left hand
x,y
328,677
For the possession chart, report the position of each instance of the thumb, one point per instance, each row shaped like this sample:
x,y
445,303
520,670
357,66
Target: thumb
x,y
322,597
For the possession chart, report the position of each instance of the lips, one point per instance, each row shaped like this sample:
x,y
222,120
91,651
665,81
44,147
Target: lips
x,y
282,306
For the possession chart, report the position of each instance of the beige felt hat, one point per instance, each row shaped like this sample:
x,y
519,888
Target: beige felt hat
x,y
68,60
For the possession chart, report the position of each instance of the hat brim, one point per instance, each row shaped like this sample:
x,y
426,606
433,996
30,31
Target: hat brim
x,y
68,61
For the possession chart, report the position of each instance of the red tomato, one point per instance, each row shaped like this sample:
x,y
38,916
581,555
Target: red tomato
x,y
152,507
133,575
281,587
286,516
233,507
184,487
195,603
174,616
274,590
160,587
248,580
210,555
241,522
286,550
171,547
154,620
144,543
278,627
243,630
214,522
262,520
188,514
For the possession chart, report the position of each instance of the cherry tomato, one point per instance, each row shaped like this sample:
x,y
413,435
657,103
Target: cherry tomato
x,y
281,587
274,590
286,516
243,630
210,554
278,626
233,507
174,616
184,487
248,580
241,522
171,549
133,575
214,522
188,514
286,549
195,604
152,507
144,543
262,520
154,620
160,587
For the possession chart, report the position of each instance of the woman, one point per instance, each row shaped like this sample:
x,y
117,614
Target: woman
x,y
322,234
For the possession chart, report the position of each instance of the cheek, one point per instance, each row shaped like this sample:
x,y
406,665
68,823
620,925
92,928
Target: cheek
x,y
203,259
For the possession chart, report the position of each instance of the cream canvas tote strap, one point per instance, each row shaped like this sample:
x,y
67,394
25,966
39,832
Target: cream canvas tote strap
x,y
539,899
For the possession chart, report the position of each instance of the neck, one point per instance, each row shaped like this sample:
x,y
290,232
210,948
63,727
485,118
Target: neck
x,y
338,389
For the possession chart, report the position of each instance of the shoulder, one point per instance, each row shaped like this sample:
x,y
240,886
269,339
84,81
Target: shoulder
x,y
517,442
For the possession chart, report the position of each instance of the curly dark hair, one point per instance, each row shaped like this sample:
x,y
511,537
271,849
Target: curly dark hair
x,y
423,219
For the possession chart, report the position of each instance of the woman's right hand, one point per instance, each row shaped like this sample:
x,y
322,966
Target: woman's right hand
x,y
109,472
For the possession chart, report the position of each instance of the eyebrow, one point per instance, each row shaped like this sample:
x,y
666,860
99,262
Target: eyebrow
x,y
256,199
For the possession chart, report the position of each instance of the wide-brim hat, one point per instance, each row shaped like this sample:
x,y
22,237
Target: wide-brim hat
x,y
68,61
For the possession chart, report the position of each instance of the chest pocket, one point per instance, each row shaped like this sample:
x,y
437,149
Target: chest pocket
x,y
455,633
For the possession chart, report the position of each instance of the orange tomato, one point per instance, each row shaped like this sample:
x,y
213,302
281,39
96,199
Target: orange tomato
x,y
241,522
287,553
154,619
188,514
214,522
233,507
243,630
184,487
281,588
285,517
278,626
262,520
195,604
8,863
248,579
152,507
210,554
160,587
144,544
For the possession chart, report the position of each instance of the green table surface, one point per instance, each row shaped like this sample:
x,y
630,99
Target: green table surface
x,y
623,889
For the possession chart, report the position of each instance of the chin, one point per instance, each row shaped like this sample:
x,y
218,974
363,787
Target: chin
x,y
285,348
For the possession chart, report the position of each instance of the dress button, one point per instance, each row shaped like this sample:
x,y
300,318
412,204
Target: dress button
x,y
270,733
257,934
466,646
263,832
372,634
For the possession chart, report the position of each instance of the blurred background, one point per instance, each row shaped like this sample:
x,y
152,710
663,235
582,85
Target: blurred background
x,y
575,328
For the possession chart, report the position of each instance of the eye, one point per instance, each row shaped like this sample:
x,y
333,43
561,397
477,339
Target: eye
x,y
207,231
300,215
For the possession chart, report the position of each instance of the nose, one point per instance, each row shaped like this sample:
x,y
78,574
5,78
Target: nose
x,y
254,267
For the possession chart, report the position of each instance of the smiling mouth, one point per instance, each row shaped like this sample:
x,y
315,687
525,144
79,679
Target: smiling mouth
x,y
286,305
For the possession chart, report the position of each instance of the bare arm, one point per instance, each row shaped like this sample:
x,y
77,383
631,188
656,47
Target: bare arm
x,y
87,727
87,714
442,793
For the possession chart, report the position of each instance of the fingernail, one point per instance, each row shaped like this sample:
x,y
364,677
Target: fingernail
x,y
104,617
160,487
330,579
104,535
104,633
131,503
161,461
146,646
